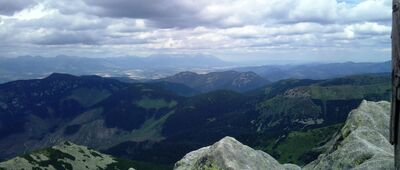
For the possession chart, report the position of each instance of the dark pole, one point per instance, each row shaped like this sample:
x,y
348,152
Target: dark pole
x,y
394,122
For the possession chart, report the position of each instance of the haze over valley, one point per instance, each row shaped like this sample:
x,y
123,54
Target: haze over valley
x,y
162,66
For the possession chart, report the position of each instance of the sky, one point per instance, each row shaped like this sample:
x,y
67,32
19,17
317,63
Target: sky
x,y
235,30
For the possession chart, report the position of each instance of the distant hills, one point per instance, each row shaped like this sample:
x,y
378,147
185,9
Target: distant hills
x,y
151,122
228,80
317,71
190,83
161,66
155,66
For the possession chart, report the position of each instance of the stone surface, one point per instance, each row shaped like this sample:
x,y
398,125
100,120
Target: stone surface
x,y
229,154
363,142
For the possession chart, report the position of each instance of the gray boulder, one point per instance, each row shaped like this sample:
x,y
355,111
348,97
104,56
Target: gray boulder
x,y
229,154
363,142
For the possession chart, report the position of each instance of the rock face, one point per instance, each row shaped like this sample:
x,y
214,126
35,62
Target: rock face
x,y
363,142
229,154
64,156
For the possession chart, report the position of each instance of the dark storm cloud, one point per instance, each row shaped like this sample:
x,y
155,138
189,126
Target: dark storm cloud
x,y
171,13
60,22
9,7
139,8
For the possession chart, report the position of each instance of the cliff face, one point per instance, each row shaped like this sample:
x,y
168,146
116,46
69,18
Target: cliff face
x,y
361,144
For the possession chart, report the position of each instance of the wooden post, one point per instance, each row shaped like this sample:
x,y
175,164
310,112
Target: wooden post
x,y
395,110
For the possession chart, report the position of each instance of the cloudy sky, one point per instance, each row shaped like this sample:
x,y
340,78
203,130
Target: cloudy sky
x,y
240,30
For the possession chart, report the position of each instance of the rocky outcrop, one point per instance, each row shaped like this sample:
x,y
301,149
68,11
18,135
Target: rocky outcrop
x,y
229,154
64,156
363,141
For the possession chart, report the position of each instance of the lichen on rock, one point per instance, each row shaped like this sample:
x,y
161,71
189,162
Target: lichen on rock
x,y
363,141
229,154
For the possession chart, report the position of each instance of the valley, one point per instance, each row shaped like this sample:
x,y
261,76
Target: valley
x,y
155,124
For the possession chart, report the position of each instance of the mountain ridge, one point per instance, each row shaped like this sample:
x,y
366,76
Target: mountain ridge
x,y
318,71
160,66
230,80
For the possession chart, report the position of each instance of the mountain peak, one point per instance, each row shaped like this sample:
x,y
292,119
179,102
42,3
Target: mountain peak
x,y
59,76
231,80
187,73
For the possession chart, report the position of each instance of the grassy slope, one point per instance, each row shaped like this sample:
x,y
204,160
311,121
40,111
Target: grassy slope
x,y
148,103
62,159
344,92
296,147
89,96
151,129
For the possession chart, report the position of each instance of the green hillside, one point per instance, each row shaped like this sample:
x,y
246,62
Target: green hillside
x,y
147,123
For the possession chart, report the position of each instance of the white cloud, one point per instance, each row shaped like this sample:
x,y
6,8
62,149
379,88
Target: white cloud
x,y
369,10
369,28
36,12
313,11
225,27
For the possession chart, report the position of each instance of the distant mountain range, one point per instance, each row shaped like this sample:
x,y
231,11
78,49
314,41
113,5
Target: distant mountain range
x,y
155,66
161,66
150,122
317,71
190,83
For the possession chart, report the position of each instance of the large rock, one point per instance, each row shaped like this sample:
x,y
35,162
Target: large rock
x,y
363,141
229,154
